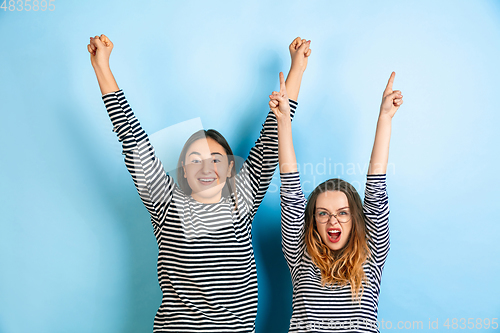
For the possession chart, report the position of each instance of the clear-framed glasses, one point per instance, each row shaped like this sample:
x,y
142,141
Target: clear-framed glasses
x,y
323,216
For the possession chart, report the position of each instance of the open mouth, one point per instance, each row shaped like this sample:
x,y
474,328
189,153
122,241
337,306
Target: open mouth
x,y
334,234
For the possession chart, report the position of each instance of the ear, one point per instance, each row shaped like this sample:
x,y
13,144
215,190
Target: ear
x,y
184,167
230,169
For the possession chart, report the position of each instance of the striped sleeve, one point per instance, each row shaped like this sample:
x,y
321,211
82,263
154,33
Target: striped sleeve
x,y
153,184
293,206
257,171
376,210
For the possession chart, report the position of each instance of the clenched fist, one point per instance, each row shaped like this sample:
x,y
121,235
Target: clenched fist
x,y
299,51
100,49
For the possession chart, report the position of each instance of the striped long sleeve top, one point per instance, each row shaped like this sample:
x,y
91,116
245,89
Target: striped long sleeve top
x,y
331,309
206,265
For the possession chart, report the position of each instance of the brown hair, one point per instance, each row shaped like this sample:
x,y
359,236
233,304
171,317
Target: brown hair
x,y
230,186
344,266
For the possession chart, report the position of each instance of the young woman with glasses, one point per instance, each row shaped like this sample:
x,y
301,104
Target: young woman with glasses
x,y
335,245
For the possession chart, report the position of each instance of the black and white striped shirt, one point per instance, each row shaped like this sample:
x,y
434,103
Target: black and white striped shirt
x,y
206,265
331,309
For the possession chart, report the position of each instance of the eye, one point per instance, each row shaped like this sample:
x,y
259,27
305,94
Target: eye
x,y
195,160
322,213
216,160
343,213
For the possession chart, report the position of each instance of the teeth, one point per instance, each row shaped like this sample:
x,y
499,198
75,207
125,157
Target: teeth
x,y
207,179
333,232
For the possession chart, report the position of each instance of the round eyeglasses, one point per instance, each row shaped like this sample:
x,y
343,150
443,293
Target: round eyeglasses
x,y
323,216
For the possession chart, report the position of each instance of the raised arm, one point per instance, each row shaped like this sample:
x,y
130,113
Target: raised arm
x,y
281,109
153,185
257,171
293,201
391,101
376,203
100,48
299,52
289,89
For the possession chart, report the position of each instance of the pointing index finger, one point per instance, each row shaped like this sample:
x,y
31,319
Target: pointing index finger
x,y
282,83
391,81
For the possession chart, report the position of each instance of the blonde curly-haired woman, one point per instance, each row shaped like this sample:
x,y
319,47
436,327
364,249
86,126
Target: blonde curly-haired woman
x,y
335,246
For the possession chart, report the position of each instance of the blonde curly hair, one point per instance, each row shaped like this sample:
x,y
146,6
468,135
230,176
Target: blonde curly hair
x,y
344,266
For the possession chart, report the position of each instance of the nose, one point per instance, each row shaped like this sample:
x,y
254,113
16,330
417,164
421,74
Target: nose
x,y
333,220
207,166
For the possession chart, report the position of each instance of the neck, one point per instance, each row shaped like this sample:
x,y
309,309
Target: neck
x,y
214,199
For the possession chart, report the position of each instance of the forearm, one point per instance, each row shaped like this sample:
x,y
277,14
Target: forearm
x,y
380,152
293,82
286,152
293,205
106,80
376,210
140,158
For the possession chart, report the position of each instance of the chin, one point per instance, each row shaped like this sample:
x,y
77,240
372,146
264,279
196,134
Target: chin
x,y
210,192
335,246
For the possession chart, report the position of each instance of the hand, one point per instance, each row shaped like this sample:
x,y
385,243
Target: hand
x,y
299,51
391,99
279,101
100,49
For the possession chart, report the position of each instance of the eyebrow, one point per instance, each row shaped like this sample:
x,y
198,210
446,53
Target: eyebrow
x,y
196,153
328,210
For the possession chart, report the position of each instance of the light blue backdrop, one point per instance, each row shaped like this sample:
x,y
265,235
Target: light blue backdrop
x,y
77,251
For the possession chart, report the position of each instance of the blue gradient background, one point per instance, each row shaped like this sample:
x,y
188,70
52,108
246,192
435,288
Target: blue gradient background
x,y
77,251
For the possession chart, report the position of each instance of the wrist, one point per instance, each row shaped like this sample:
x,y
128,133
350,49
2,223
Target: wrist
x,y
284,121
296,70
384,117
102,68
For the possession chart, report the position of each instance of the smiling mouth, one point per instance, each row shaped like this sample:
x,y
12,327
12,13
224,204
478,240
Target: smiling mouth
x,y
334,235
207,181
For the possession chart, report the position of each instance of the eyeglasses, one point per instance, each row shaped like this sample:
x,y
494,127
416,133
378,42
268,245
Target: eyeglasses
x,y
323,216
